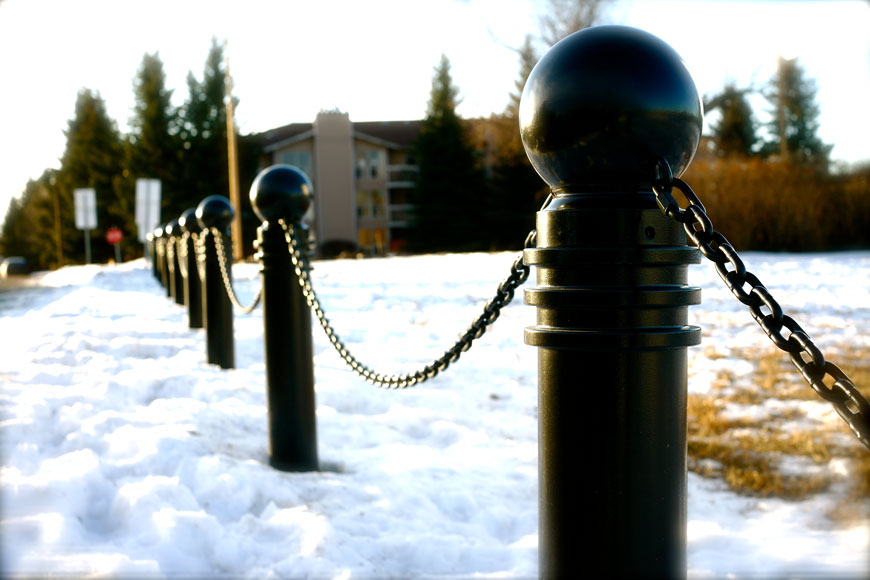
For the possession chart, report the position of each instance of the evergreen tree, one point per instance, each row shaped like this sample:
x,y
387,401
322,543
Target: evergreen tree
x,y
12,236
528,59
21,233
450,186
153,147
94,158
795,124
30,227
204,135
517,190
735,133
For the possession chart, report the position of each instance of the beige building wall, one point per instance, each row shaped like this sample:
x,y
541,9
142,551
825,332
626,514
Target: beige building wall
x,y
362,179
372,196
335,205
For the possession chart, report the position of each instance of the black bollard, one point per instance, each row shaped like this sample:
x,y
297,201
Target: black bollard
x,y
149,251
283,192
163,266
215,211
176,280
157,254
168,272
598,112
192,288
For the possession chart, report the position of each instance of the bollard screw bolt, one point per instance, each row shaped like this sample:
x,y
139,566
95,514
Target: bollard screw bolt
x,y
604,105
281,192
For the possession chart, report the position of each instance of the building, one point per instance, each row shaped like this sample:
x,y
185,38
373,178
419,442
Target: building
x,y
363,176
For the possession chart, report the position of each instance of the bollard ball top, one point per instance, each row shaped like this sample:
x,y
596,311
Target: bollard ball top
x,y
158,232
171,228
603,105
188,222
281,192
215,211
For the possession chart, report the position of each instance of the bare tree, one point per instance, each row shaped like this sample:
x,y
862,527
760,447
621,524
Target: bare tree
x,y
528,58
564,17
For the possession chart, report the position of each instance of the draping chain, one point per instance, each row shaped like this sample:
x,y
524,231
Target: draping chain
x,y
199,248
225,275
181,251
505,293
169,250
845,397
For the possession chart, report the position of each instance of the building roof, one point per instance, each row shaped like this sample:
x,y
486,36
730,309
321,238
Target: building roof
x,y
394,134
402,134
280,134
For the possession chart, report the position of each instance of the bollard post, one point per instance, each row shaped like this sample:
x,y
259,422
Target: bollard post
x,y
160,255
597,113
176,280
282,192
149,250
192,287
155,240
167,258
217,310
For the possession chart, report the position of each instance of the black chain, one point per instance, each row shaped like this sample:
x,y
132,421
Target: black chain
x,y
845,397
181,252
504,294
225,275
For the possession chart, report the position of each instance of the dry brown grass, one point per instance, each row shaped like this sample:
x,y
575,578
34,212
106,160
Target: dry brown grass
x,y
762,454
737,195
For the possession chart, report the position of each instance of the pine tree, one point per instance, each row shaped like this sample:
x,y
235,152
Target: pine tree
x,y
22,234
450,185
204,135
94,158
32,223
795,124
153,147
528,59
12,235
735,133
517,190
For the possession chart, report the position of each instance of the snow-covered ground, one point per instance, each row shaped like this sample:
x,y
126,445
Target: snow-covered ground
x,y
124,454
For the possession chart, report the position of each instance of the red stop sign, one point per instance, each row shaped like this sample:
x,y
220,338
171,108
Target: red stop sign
x,y
114,235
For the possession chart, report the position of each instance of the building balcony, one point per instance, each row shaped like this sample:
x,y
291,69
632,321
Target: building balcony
x,y
402,176
401,215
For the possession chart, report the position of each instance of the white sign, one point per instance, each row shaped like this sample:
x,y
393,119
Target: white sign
x,y
147,206
86,209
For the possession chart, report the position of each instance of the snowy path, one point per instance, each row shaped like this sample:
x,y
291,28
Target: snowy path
x,y
124,454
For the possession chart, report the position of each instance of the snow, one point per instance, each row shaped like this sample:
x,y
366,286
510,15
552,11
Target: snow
x,y
125,455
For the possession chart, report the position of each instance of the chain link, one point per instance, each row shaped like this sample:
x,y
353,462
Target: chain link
x,y
505,293
845,397
200,249
169,251
225,274
181,251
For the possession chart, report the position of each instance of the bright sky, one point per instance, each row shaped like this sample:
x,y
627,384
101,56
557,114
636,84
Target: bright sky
x,y
375,59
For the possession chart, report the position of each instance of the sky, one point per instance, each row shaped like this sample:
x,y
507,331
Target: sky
x,y
375,59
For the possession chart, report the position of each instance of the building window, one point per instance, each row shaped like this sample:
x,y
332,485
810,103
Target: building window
x,y
372,242
299,159
371,203
370,163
